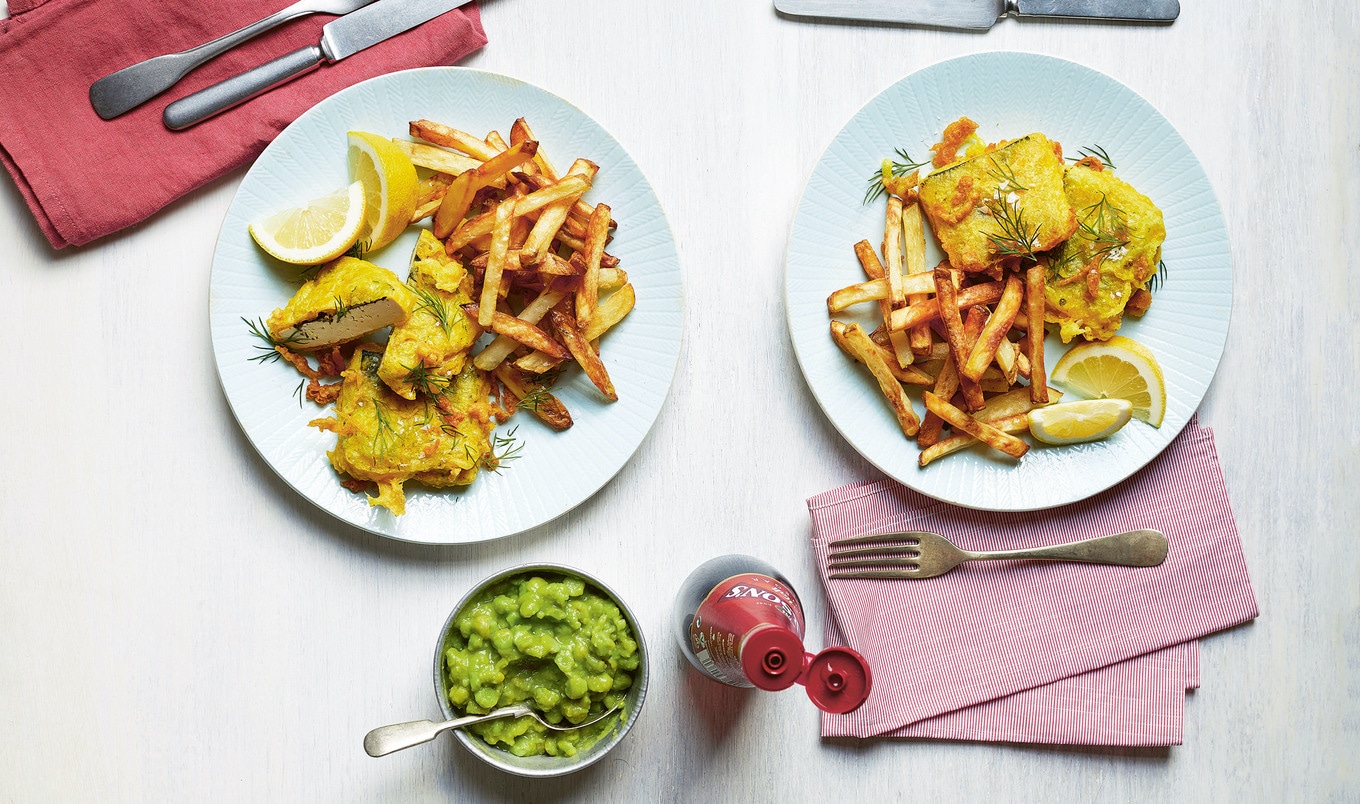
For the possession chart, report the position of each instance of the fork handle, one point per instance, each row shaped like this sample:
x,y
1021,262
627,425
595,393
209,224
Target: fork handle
x,y
1136,548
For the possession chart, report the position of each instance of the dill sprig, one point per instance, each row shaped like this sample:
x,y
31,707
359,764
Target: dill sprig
x,y
383,436
1096,151
359,249
1015,239
1005,174
504,449
1158,279
269,352
425,381
533,399
891,169
300,392
1104,225
430,302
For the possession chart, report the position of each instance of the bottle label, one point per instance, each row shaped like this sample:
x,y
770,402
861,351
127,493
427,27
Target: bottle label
x,y
730,612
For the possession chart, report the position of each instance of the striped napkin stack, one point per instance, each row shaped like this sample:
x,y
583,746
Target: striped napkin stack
x,y
1040,652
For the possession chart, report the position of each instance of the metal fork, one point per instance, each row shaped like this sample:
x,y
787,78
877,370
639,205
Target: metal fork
x,y
386,739
922,554
130,87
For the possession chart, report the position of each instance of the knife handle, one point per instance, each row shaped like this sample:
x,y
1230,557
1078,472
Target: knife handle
x,y
130,87
205,103
1127,10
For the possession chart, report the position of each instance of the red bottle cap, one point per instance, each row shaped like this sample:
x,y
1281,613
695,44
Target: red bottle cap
x,y
837,680
772,658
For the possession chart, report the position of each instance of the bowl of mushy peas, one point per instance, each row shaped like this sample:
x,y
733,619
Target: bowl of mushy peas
x,y
552,638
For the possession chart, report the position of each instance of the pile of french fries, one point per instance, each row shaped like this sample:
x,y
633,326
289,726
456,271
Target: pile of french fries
x,y
542,279
962,338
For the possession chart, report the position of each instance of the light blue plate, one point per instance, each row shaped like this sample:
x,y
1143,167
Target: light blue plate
x,y
557,471
1011,95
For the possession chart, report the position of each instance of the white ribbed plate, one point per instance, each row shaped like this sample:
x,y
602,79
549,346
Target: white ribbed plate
x,y
1010,95
557,471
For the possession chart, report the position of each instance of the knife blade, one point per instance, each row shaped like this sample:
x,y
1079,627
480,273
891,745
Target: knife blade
x,y
340,38
982,14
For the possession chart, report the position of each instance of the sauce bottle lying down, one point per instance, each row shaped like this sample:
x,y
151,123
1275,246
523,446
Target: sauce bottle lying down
x,y
740,622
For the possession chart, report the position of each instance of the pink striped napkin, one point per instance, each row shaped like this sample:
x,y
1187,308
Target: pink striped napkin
x,y
1035,651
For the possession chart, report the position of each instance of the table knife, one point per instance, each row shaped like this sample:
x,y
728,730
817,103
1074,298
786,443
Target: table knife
x,y
340,38
981,14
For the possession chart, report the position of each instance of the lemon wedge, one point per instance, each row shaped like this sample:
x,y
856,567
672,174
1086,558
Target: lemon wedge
x,y
389,179
1083,420
1120,368
318,232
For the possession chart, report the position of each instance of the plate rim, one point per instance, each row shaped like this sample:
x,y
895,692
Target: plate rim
x,y
652,415
1122,473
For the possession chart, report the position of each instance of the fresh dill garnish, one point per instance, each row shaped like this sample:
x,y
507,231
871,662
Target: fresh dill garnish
x,y
359,249
1015,238
533,399
1105,226
425,381
269,352
893,169
1005,175
300,392
1094,151
435,306
382,437
341,309
504,449
1158,279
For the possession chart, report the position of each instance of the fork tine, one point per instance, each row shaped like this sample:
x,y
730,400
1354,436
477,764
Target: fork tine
x,y
906,537
886,550
882,574
874,562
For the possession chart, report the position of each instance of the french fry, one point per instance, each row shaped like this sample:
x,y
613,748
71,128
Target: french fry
x,y
914,261
495,264
924,313
892,251
582,352
1008,360
611,311
518,329
972,328
1011,424
588,297
458,198
473,228
907,374
520,131
500,348
613,279
539,243
535,398
982,431
857,344
537,363
1034,311
449,137
872,290
435,158
946,299
998,324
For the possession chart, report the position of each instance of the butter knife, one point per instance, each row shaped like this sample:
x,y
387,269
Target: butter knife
x,y
340,39
130,87
982,14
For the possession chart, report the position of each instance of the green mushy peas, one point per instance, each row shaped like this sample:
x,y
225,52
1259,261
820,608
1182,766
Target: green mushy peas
x,y
556,645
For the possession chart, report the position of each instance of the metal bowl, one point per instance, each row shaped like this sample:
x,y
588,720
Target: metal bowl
x,y
543,766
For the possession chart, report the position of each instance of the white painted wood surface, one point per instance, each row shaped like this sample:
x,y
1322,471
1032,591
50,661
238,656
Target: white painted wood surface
x,y
177,625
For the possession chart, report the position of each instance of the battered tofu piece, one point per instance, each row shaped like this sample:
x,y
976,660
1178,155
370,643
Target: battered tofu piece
x,y
1114,252
994,206
390,440
431,346
346,300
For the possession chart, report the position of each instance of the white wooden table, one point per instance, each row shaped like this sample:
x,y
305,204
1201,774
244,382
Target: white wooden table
x,y
177,625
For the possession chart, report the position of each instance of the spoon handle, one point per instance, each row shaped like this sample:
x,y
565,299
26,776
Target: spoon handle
x,y
1136,548
387,739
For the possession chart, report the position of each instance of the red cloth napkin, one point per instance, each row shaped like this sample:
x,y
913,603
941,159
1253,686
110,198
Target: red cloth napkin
x,y
84,177
1037,651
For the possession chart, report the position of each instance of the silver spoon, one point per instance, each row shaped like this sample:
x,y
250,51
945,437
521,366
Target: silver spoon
x,y
130,87
387,739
